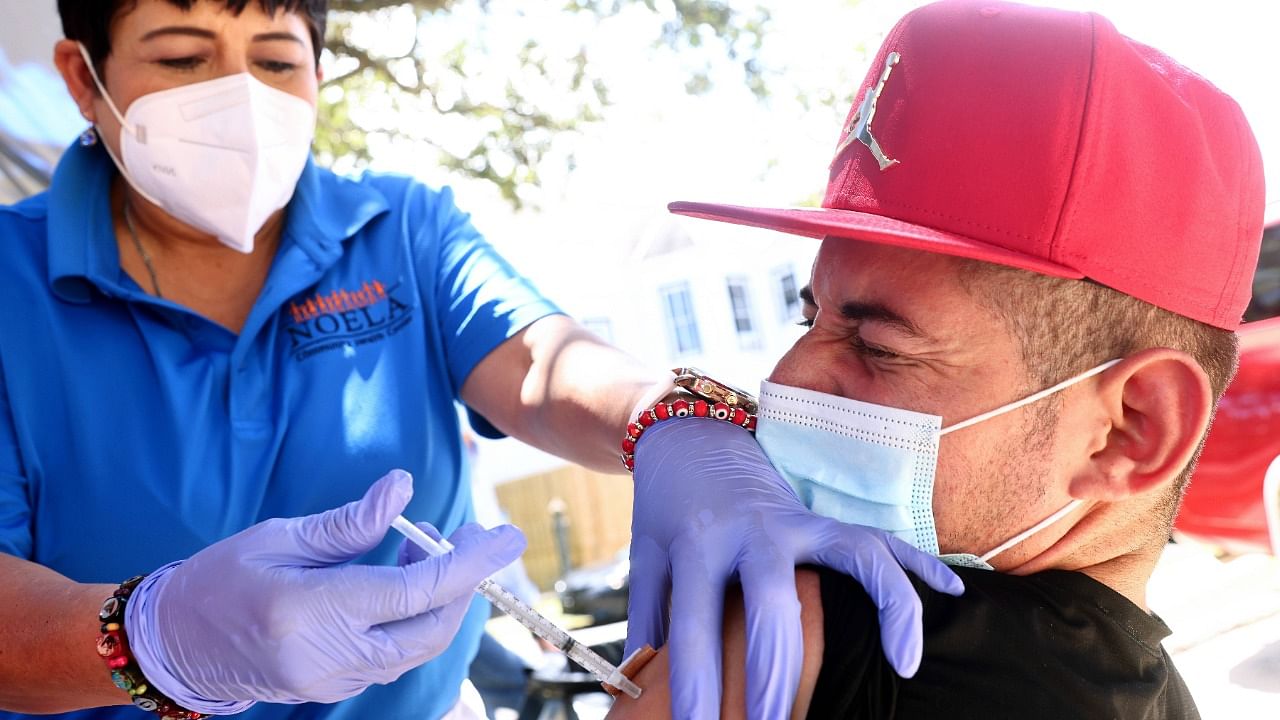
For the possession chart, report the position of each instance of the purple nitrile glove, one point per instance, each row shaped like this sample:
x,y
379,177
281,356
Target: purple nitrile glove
x,y
275,613
709,506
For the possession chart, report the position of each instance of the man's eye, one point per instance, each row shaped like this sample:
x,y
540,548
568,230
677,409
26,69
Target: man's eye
x,y
863,348
182,63
805,322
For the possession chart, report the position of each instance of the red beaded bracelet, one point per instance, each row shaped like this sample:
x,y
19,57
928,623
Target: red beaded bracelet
x,y
676,409
113,646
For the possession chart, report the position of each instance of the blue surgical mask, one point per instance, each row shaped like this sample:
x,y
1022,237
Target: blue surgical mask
x,y
873,465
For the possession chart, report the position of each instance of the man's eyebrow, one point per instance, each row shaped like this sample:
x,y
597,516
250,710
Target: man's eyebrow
x,y
876,312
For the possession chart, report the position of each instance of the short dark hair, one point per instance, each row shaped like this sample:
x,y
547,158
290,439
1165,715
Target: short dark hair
x,y
89,21
1065,327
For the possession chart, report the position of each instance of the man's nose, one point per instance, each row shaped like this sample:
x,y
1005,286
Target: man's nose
x,y
802,367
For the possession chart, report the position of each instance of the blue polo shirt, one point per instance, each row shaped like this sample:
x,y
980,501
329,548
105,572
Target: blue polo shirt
x,y
134,432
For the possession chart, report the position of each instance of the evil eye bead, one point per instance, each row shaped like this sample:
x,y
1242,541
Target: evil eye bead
x,y
680,408
720,411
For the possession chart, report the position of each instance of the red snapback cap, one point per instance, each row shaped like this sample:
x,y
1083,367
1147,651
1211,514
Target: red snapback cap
x,y
1044,140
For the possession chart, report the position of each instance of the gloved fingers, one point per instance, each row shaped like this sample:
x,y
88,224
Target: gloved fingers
x,y
471,532
864,555
418,639
477,554
410,553
901,631
647,597
935,573
376,595
347,532
775,643
697,613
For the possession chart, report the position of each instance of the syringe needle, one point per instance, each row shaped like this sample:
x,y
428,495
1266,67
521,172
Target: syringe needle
x,y
532,619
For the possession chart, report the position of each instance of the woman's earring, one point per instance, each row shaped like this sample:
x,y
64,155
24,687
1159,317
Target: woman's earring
x,y
89,138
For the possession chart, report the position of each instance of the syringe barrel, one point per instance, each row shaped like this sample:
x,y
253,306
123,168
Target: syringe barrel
x,y
523,614
563,641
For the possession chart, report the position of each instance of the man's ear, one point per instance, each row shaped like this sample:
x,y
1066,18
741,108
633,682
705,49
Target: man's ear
x,y
75,73
1154,407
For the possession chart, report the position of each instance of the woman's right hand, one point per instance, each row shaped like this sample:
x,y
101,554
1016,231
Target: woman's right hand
x,y
275,613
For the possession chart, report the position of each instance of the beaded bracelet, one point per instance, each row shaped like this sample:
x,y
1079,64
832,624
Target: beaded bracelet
x,y
677,409
113,646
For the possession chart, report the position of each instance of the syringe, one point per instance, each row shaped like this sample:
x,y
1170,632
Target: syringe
x,y
533,620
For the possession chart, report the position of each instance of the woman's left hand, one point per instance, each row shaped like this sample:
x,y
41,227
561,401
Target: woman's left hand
x,y
709,507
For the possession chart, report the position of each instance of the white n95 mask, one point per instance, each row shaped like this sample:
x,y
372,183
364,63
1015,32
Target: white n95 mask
x,y
220,155
873,465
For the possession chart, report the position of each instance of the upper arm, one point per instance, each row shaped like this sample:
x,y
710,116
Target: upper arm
x,y
655,701
496,387
480,300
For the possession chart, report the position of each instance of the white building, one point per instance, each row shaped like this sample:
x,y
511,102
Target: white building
x,y
683,292
720,297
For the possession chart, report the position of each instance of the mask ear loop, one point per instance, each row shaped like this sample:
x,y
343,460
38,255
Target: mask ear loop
x,y
1075,503
1030,398
93,73
986,557
139,133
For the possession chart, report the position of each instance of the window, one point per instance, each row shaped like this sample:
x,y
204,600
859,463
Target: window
x,y
682,324
601,326
789,296
740,305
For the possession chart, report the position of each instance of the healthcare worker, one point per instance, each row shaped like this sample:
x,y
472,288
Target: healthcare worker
x,y
202,333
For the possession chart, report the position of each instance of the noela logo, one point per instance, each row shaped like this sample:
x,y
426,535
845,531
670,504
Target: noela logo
x,y
344,318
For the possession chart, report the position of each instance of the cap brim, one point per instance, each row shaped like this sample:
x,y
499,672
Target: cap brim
x,y
854,225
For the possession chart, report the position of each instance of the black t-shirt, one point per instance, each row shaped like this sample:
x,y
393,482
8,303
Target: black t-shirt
x,y
1056,644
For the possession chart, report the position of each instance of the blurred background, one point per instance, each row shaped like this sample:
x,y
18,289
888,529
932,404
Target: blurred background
x,y
565,127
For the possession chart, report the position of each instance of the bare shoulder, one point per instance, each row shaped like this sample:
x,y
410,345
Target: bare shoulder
x,y
655,702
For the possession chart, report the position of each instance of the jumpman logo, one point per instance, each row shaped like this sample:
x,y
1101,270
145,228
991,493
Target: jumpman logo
x,y
859,127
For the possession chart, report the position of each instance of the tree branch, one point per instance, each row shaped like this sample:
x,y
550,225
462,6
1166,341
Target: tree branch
x,y
371,5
